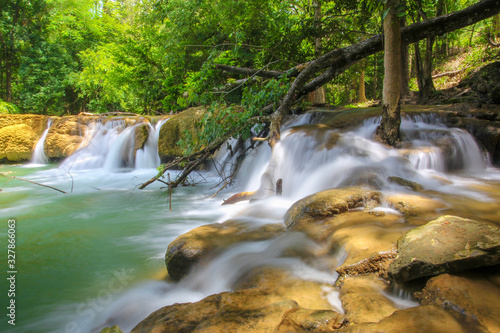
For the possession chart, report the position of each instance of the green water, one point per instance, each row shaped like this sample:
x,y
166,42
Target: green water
x,y
75,252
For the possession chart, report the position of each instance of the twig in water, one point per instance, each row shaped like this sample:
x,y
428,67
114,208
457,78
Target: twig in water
x,y
30,181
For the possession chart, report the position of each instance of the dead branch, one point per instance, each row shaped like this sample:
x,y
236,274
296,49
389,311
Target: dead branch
x,y
196,159
30,181
452,73
491,41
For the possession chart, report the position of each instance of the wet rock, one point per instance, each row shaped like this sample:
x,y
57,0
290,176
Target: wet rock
x,y
363,300
276,304
278,285
141,136
37,122
329,203
307,320
208,240
421,319
173,131
415,207
377,263
17,143
64,137
446,245
473,294
114,329
416,187
225,312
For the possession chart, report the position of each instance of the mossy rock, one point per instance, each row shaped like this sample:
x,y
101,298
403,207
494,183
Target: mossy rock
x,y
17,143
329,203
448,244
173,131
114,329
206,241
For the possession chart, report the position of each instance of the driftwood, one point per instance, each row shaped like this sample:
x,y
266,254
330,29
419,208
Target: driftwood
x,y
452,73
196,159
32,182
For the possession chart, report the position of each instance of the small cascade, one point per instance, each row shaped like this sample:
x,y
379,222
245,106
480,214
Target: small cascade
x,y
147,157
96,145
121,152
310,160
39,156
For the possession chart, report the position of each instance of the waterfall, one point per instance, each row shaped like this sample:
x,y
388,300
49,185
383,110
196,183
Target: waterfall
x,y
39,156
310,160
147,157
110,145
95,146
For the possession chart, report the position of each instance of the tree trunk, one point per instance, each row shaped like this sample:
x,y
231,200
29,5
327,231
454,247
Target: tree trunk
x,y
405,62
317,97
361,87
388,130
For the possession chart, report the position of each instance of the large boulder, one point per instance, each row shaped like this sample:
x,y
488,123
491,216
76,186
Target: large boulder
x,y
328,203
420,319
17,143
473,294
65,136
363,299
174,130
271,301
206,241
446,245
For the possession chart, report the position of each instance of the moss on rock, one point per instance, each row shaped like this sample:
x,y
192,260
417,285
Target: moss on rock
x,y
17,143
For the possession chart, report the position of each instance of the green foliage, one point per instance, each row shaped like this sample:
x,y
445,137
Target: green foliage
x,y
221,119
8,108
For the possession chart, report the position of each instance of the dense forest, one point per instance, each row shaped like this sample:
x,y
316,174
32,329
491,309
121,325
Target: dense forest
x,y
156,57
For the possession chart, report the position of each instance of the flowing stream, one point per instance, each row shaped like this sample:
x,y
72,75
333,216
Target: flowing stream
x,y
94,257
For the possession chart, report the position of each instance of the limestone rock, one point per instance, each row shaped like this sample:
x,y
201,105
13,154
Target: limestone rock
x,y
363,300
225,312
329,203
473,294
415,208
209,240
141,137
114,329
307,320
64,137
17,143
271,300
446,245
421,319
173,131
406,183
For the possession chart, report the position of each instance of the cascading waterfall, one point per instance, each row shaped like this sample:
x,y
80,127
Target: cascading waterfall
x,y
147,157
110,146
39,156
308,159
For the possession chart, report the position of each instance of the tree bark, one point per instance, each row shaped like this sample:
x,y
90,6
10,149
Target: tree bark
x,y
317,96
388,131
361,87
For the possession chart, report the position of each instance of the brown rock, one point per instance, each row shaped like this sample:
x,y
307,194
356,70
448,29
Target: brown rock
x,y
416,208
203,242
174,130
329,203
17,143
446,245
421,319
307,320
474,294
363,300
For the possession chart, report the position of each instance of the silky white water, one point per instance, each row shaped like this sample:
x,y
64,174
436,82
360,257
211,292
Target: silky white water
x,y
94,257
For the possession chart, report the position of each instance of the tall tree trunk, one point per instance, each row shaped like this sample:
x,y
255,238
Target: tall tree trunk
x,y
317,96
388,131
361,87
405,63
496,26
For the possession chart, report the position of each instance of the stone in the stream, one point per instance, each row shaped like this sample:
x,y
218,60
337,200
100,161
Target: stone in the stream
x,y
446,245
420,319
208,240
476,295
329,203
